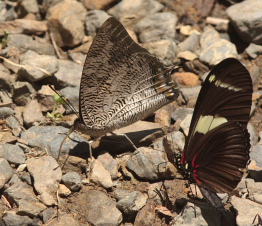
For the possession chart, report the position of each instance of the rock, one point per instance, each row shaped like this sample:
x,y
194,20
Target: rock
x,y
15,125
25,42
94,4
254,190
99,175
253,135
11,218
7,137
45,167
6,112
186,78
101,209
192,43
148,164
187,55
6,172
156,27
109,163
69,74
254,50
22,92
78,58
72,180
47,214
255,166
164,50
63,191
120,193
203,215
31,58
186,123
213,48
131,203
94,20
247,23
146,216
65,220
140,8
49,138
24,26
24,197
27,6
32,113
68,16
12,153
181,113
246,210
190,93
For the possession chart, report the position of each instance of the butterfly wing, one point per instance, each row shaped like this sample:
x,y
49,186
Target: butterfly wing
x,y
121,81
222,112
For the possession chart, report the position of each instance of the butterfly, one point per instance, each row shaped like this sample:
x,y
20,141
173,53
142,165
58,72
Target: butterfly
x,y
217,146
121,82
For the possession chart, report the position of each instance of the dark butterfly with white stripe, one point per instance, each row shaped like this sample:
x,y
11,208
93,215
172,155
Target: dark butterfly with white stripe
x,y
217,147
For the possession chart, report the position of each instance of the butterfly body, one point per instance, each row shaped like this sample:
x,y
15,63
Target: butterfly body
x,y
121,82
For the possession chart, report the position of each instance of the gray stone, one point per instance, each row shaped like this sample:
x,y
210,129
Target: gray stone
x,y
246,210
47,214
139,8
77,57
32,113
213,48
164,50
49,138
13,123
22,93
66,22
6,112
190,93
31,58
192,43
25,42
254,190
181,113
99,175
120,194
131,203
102,209
12,153
109,163
12,219
248,22
185,124
158,26
200,214
94,20
254,50
69,74
45,167
24,197
147,163
6,172
72,180
146,216
253,136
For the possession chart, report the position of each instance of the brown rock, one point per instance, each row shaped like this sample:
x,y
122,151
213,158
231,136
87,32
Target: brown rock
x,y
146,215
66,22
32,113
97,4
186,78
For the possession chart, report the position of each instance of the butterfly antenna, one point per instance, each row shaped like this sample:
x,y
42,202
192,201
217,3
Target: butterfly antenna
x,y
66,101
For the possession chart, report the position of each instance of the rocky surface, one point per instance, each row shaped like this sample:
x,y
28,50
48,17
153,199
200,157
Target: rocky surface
x,y
45,43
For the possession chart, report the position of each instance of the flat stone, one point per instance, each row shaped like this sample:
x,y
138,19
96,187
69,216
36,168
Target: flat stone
x,y
13,123
11,218
72,180
31,58
32,113
254,50
6,112
12,153
6,172
192,43
45,167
